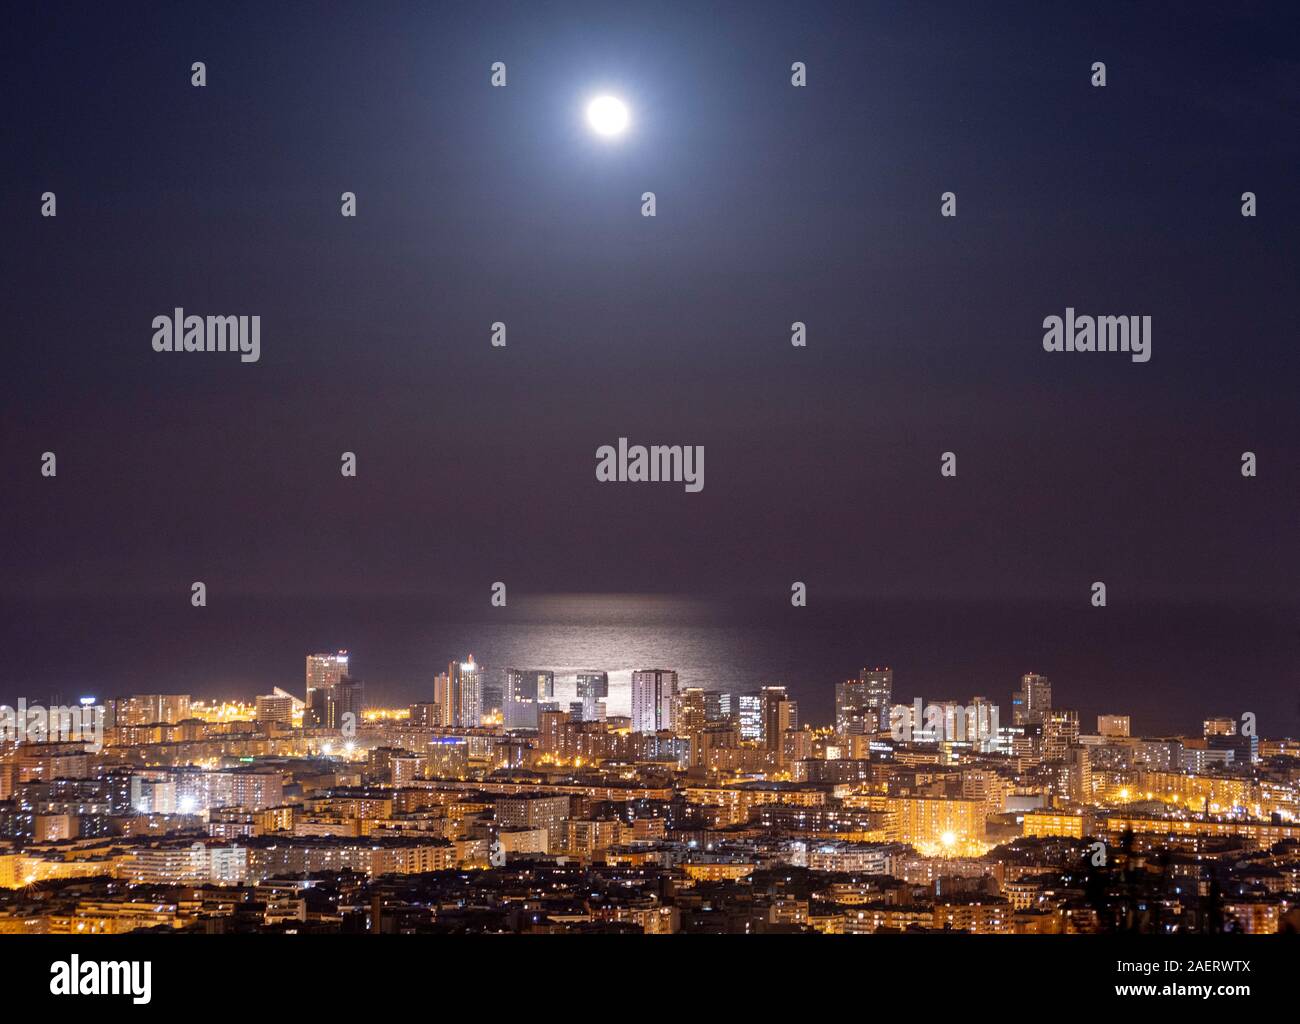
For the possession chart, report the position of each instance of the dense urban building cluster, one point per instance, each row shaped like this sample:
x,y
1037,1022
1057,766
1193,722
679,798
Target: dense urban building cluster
x,y
495,806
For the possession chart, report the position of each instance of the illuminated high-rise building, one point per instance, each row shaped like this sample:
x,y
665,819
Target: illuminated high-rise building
x,y
492,688
938,821
691,712
590,682
1030,705
442,698
323,673
721,706
878,687
1060,731
464,693
529,684
848,701
749,711
274,707
1224,725
593,687
525,690
1221,734
426,715
861,701
344,699
653,690
779,714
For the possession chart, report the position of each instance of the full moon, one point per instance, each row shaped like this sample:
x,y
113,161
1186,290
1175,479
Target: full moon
x,y
607,115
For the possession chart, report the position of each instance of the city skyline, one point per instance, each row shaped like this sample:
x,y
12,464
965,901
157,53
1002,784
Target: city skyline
x,y
237,796
470,693
1160,661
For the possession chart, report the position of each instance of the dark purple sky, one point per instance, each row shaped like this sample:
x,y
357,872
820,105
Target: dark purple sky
x,y
775,204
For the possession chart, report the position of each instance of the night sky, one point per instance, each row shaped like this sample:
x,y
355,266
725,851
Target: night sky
x,y
775,204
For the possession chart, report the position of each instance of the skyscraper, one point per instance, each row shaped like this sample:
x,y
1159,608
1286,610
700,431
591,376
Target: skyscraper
x,y
347,698
465,693
492,692
329,704
878,687
592,684
442,699
592,687
529,684
1060,731
866,699
323,673
525,690
721,706
848,700
1031,704
779,714
749,710
653,690
690,714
